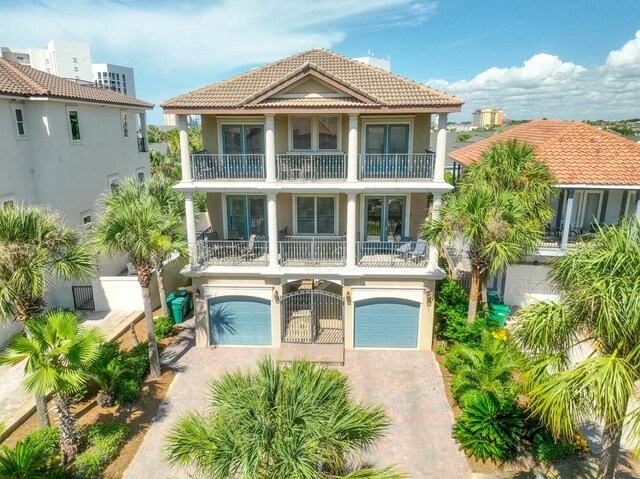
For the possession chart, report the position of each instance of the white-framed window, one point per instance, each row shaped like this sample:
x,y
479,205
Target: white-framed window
x,y
75,69
315,132
587,205
630,206
114,183
75,60
19,121
7,202
74,125
140,175
315,215
86,220
125,124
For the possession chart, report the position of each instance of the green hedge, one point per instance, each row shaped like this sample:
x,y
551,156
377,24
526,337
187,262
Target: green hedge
x,y
128,387
163,326
546,449
104,441
49,436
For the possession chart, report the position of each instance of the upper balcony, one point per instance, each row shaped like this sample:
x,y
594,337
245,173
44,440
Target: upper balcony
x,y
313,166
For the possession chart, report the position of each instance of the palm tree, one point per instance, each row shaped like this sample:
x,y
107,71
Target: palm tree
x,y
599,306
59,353
499,209
28,461
105,373
170,243
37,248
131,221
297,421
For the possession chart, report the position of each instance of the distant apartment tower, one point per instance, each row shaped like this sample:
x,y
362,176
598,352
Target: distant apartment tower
x,y
380,63
72,60
172,120
115,77
487,117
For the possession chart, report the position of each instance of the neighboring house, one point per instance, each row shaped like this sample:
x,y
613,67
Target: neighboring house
x,y
316,170
63,145
599,181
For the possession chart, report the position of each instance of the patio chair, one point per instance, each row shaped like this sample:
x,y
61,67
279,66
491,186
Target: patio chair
x,y
403,250
249,252
419,251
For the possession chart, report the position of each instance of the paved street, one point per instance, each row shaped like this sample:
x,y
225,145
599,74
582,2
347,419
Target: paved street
x,y
15,402
407,383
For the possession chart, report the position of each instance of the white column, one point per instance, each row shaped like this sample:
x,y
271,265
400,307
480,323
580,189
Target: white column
x,y
270,147
434,254
143,130
351,230
567,220
191,228
185,158
441,148
352,152
272,221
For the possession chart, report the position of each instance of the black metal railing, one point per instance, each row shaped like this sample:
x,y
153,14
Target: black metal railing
x,y
83,298
142,145
311,166
396,166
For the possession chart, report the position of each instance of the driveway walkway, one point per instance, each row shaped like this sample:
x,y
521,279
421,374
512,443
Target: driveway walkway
x,y
16,403
407,383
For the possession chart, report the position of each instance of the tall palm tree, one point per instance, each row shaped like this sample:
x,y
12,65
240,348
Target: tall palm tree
x,y
59,353
170,243
131,222
36,249
598,309
297,421
499,209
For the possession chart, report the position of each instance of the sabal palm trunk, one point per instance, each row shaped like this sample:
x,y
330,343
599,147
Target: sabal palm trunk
x,y
161,290
474,294
41,410
144,278
69,437
611,437
132,328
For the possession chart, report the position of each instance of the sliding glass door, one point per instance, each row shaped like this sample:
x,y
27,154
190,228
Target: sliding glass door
x,y
386,150
243,147
384,218
246,216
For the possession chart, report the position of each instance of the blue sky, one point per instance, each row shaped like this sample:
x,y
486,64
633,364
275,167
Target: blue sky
x,y
568,59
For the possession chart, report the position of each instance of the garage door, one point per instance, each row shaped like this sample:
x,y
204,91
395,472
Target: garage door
x,y
240,320
386,323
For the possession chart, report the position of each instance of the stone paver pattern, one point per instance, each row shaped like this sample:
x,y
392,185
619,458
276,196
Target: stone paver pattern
x,y
15,402
407,383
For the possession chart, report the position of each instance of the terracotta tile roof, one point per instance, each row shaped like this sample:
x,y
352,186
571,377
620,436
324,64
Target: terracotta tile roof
x,y
378,87
22,80
577,153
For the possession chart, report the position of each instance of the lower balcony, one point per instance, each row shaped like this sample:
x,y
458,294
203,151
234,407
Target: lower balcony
x,y
392,254
251,252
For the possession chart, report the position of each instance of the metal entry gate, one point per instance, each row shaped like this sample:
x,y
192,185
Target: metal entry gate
x,y
313,316
83,298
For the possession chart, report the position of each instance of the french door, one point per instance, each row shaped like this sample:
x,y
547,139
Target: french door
x,y
246,216
243,148
384,218
586,209
387,139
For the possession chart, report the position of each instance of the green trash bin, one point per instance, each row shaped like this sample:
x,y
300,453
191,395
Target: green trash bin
x,y
189,302
171,298
499,312
178,307
493,297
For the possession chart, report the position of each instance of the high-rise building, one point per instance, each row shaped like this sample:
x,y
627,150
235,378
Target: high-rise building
x,y
72,60
487,117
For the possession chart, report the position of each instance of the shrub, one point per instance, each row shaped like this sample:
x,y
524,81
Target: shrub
x,y
127,390
104,441
547,449
455,359
136,361
49,437
489,428
29,459
164,327
106,372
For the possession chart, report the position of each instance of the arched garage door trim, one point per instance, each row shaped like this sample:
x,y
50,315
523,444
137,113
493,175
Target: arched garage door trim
x,y
386,323
240,320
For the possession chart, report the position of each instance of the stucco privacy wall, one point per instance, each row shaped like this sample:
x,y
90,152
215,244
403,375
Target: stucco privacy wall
x,y
524,279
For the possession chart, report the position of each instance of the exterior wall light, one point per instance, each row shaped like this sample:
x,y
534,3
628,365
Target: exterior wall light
x,y
348,297
276,296
198,294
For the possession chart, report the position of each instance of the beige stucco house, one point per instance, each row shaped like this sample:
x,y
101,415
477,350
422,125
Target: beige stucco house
x,y
317,170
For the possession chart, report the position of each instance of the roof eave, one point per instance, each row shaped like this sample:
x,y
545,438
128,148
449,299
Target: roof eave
x,y
181,110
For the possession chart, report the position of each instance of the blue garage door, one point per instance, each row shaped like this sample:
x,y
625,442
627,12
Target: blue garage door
x,y
240,320
386,323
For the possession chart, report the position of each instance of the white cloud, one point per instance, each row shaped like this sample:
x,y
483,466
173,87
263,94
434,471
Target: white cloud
x,y
546,86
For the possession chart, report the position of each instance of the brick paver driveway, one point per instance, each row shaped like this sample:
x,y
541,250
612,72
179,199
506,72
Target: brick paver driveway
x,y
408,384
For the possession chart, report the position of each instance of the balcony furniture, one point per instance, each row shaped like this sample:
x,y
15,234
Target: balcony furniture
x,y
234,235
419,251
249,251
404,250
282,234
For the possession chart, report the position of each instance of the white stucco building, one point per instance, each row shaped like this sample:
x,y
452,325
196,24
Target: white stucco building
x,y
115,77
63,144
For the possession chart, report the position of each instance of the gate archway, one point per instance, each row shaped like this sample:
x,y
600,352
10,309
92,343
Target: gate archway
x,y
312,316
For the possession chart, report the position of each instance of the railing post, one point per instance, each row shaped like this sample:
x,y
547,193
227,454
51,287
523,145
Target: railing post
x,y
352,152
185,157
441,147
191,228
351,230
272,221
270,147
433,249
567,220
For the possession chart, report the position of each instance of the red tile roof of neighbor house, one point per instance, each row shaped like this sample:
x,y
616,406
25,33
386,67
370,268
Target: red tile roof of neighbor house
x,y
577,153
364,87
22,80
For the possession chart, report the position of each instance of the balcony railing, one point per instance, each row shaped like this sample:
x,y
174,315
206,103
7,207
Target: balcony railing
x,y
313,251
227,167
142,145
392,166
392,254
552,238
233,253
311,166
